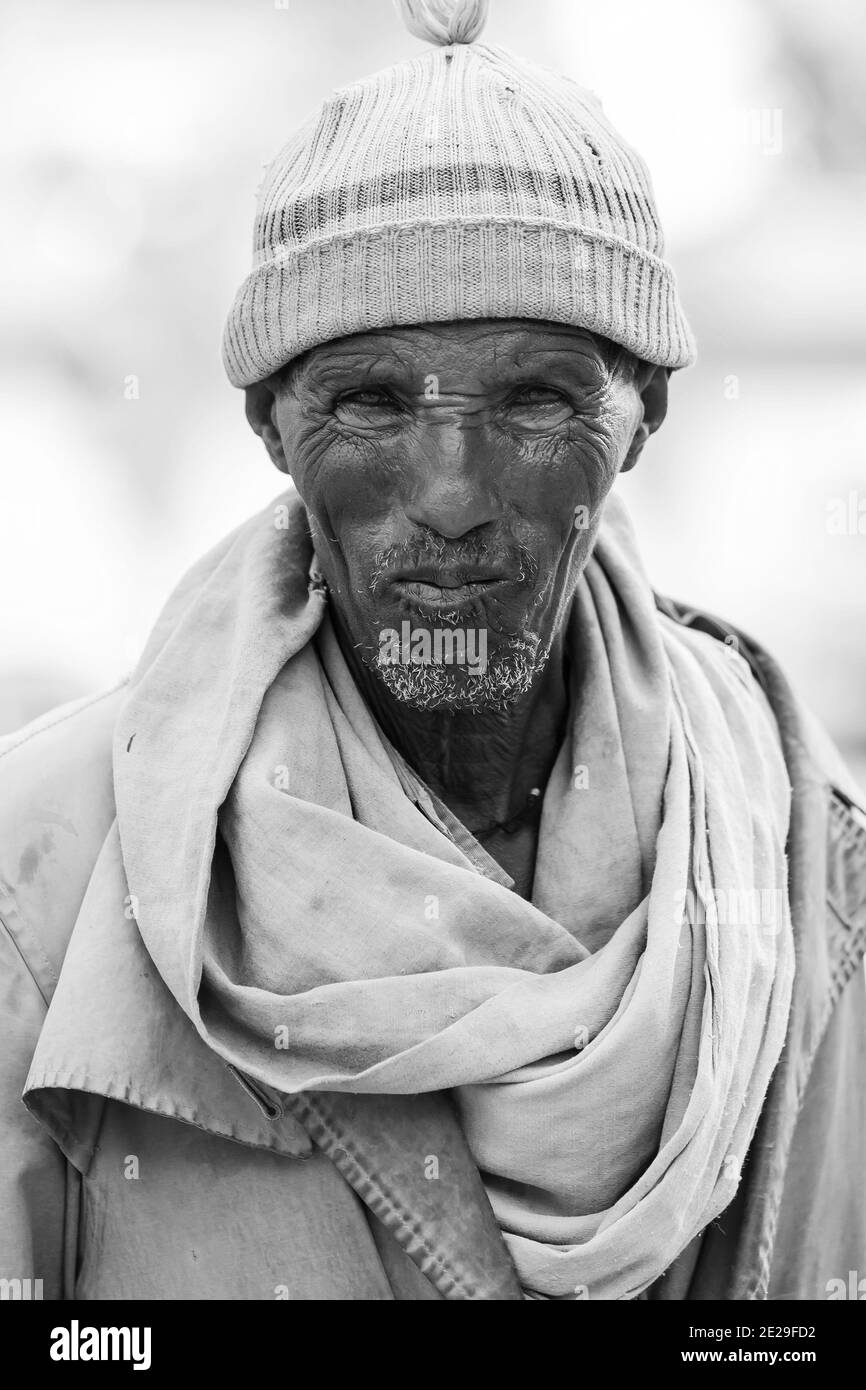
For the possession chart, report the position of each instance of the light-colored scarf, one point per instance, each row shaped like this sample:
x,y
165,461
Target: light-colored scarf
x,y
608,1045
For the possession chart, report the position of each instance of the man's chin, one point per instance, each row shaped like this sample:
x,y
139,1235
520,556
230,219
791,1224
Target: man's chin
x,y
507,677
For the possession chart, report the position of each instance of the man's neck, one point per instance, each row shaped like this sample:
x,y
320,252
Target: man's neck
x,y
483,765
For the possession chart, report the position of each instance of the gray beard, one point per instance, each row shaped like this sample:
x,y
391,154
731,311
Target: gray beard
x,y
509,676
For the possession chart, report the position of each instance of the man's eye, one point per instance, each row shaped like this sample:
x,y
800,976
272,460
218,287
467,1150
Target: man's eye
x,y
372,402
537,395
540,405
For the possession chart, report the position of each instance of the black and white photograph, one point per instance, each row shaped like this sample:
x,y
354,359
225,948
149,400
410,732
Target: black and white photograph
x,y
433,692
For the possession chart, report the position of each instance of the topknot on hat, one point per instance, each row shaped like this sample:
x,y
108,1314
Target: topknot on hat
x,y
444,22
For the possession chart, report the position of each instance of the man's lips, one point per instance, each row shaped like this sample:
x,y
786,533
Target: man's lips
x,y
445,590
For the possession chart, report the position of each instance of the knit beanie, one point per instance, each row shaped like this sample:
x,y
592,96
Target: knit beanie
x,y
461,184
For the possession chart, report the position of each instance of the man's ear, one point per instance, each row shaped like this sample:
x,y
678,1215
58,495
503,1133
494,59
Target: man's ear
x,y
261,401
652,383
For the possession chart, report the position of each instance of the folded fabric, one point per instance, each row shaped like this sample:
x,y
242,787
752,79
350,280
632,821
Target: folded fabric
x,y
609,1044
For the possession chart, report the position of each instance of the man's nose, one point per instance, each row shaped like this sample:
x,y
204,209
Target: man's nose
x,y
452,482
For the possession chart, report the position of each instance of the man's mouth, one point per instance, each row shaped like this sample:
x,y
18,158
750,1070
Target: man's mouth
x,y
445,590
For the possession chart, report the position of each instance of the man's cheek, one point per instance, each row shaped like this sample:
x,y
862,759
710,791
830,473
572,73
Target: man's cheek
x,y
572,499
572,523
342,483
357,544
321,456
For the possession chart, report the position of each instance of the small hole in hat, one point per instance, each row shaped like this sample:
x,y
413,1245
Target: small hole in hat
x,y
600,163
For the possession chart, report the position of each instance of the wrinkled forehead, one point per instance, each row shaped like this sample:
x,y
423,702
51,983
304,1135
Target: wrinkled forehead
x,y
478,350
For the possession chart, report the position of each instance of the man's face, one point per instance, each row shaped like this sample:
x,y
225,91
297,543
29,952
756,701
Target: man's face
x,y
454,476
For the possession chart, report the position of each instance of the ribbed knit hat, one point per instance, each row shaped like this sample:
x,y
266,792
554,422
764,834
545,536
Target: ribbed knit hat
x,y
461,184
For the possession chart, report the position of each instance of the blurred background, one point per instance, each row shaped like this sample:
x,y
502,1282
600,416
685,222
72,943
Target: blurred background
x,y
134,140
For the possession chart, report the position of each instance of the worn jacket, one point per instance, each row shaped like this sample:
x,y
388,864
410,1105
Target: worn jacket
x,y
135,1164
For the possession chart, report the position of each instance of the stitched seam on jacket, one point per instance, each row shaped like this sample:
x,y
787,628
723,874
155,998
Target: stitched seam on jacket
x,y
128,1095
850,954
45,724
850,941
394,1217
853,835
16,943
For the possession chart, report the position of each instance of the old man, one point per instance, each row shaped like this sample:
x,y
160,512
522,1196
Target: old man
x,y
437,912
